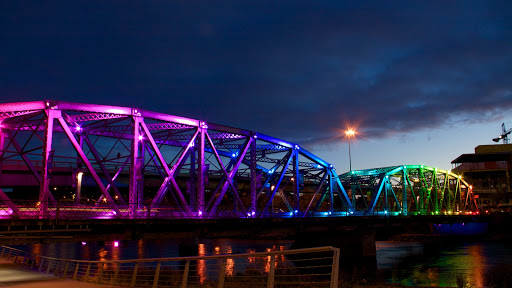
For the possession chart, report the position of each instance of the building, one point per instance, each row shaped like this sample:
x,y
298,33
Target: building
x,y
488,170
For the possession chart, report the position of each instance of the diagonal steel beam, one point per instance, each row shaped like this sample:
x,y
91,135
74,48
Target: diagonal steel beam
x,y
342,192
170,173
232,173
285,200
104,169
276,187
8,202
235,191
118,172
88,164
317,190
377,195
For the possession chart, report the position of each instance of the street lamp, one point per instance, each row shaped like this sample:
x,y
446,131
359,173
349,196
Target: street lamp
x,y
350,133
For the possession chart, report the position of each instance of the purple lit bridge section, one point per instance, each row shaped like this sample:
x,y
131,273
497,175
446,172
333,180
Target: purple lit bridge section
x,y
63,160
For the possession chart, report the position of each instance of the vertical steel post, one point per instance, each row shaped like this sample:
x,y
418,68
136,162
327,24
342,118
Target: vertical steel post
x,y
252,167
296,184
140,189
192,178
404,191
134,193
201,170
79,173
331,195
2,147
433,191
44,188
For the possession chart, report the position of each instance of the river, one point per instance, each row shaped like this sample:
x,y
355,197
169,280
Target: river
x,y
408,263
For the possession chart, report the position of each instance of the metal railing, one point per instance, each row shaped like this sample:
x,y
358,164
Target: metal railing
x,y
61,210
311,267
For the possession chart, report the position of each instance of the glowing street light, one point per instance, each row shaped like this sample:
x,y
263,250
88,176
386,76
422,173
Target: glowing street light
x,y
350,133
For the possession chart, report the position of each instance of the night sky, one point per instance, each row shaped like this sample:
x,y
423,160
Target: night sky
x,y
423,81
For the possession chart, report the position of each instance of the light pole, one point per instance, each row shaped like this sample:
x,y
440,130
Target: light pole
x,y
350,133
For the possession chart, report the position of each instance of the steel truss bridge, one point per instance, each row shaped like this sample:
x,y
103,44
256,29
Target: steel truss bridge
x,y
63,160
410,189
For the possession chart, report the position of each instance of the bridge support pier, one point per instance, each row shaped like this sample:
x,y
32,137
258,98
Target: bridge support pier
x,y
355,245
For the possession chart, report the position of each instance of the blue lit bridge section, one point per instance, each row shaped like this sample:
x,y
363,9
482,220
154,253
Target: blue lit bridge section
x,y
409,190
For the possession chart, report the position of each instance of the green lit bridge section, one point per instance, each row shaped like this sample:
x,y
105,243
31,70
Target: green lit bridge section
x,y
409,190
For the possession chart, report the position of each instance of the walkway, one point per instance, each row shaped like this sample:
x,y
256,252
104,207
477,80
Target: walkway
x,y
14,275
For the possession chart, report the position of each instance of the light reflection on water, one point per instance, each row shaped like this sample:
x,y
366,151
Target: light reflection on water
x,y
408,263
415,264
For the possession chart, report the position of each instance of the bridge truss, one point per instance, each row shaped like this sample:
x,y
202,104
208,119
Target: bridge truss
x,y
409,189
73,160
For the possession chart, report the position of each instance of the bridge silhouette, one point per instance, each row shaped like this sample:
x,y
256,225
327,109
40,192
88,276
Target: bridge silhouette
x,y
63,160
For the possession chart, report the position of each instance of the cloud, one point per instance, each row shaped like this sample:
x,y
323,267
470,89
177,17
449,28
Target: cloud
x,y
297,70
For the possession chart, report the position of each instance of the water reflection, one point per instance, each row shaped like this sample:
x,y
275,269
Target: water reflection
x,y
446,265
201,264
230,263
140,249
408,263
479,263
102,254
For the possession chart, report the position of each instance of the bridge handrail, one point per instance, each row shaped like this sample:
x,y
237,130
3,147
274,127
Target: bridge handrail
x,y
321,270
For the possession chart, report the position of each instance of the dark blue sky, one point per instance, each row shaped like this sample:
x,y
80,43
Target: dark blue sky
x,y
404,72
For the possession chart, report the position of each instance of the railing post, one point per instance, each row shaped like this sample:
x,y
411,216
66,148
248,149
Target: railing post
x,y
2,254
75,274
134,276
222,273
100,272
56,271
65,273
271,272
157,275
41,264
87,271
335,268
49,266
185,275
114,280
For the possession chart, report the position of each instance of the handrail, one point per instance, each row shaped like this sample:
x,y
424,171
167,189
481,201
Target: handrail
x,y
312,267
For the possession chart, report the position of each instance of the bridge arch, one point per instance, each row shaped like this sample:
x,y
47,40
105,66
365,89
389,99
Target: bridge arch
x,y
409,190
133,163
